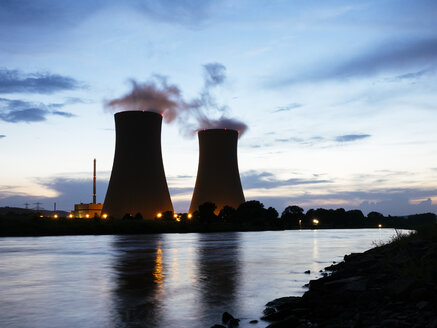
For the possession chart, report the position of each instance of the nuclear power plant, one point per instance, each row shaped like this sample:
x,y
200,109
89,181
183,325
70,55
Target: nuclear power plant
x,y
137,183
218,178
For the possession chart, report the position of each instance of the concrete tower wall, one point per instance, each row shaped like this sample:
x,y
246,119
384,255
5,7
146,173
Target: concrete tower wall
x,y
137,183
218,178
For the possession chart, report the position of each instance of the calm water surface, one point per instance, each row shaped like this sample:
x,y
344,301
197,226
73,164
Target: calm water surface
x,y
163,280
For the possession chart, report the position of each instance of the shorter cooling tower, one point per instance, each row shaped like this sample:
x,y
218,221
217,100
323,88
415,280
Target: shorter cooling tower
x,y
218,178
137,183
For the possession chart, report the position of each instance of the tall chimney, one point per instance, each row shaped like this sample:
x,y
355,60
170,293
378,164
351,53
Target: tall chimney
x,y
218,178
137,183
94,183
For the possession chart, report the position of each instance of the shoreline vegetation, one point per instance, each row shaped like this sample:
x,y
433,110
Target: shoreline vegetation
x,y
392,285
249,216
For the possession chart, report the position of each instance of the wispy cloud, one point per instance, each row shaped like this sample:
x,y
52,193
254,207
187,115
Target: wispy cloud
x,y
287,108
2,136
14,81
394,57
16,111
351,137
415,75
267,180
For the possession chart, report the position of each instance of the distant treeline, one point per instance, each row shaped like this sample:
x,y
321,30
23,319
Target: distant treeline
x,y
293,217
249,216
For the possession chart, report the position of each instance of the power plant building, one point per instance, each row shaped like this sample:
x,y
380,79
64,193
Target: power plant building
x,y
88,210
137,183
218,177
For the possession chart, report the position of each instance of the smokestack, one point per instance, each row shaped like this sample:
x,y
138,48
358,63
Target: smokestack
x,y
137,183
218,178
94,183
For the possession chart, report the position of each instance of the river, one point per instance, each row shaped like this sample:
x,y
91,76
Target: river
x,y
162,280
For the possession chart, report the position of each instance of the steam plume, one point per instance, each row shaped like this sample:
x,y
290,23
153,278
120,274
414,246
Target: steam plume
x,y
157,95
154,96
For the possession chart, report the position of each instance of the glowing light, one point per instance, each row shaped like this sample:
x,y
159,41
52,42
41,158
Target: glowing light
x,y
178,219
55,216
105,216
70,216
315,221
175,216
87,216
379,225
41,216
159,215
190,215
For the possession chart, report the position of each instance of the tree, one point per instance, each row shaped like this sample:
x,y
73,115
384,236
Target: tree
x,y
205,214
227,214
253,212
291,216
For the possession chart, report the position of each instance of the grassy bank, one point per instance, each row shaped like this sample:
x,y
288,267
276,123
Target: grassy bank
x,y
391,285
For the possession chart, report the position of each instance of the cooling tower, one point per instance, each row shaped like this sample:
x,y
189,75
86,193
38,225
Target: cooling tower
x,y
218,178
137,183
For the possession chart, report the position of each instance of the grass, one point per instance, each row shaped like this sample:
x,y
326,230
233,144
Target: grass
x,y
413,255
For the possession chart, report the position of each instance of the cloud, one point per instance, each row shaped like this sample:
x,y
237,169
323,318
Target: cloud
x,y
14,81
16,111
287,108
266,180
2,136
180,190
351,137
64,114
50,15
415,75
390,57
70,191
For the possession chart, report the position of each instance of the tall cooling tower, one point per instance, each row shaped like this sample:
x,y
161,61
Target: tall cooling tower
x,y
137,183
218,178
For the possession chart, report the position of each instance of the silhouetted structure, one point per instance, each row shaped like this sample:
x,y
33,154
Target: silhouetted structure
x,y
137,183
218,178
88,210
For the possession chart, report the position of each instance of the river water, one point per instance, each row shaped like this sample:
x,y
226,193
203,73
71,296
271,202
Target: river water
x,y
162,280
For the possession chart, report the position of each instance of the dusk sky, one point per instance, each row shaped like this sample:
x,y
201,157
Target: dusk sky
x,y
340,97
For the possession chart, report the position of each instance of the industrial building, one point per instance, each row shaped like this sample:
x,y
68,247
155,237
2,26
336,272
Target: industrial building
x,y
137,183
90,210
218,177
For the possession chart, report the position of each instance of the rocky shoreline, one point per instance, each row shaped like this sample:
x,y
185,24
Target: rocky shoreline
x,y
394,285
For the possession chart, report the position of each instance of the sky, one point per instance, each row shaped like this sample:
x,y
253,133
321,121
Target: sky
x,y
339,97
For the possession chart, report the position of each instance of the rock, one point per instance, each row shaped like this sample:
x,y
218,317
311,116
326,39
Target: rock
x,y
307,271
433,323
422,305
278,315
357,283
419,294
218,326
253,321
289,322
393,323
233,323
401,287
226,317
269,310
284,301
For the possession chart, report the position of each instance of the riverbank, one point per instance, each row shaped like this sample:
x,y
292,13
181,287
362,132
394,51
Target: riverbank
x,y
32,224
392,285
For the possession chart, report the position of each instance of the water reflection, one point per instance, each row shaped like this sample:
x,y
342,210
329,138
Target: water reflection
x,y
167,280
139,276
218,273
